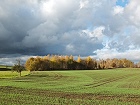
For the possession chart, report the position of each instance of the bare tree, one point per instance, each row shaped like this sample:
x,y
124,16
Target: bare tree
x,y
18,67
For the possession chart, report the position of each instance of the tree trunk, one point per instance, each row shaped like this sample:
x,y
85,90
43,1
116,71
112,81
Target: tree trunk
x,y
20,74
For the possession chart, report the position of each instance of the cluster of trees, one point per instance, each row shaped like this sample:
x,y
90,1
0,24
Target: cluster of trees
x,y
137,65
56,62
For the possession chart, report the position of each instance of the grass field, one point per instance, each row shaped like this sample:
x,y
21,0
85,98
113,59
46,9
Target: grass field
x,y
88,87
5,68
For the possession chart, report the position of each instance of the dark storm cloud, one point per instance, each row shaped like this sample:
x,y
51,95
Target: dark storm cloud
x,y
38,27
16,19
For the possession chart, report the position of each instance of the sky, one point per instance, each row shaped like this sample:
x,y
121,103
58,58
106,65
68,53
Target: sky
x,y
97,28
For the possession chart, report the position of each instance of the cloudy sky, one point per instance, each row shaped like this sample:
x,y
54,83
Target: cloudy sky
x,y
99,28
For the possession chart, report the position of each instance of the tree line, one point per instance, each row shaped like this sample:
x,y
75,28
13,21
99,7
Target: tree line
x,y
56,62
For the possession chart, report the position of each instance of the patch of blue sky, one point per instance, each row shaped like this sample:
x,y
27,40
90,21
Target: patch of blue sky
x,y
122,3
128,30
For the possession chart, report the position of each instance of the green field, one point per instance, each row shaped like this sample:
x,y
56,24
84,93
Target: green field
x,y
5,68
88,87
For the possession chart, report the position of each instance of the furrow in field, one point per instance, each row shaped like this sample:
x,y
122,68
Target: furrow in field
x,y
109,80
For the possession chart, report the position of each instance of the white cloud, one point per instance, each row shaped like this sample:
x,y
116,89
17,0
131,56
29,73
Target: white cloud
x,y
48,7
118,10
113,53
132,12
83,4
96,35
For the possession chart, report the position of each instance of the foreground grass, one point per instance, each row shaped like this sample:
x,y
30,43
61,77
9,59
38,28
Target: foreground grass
x,y
104,87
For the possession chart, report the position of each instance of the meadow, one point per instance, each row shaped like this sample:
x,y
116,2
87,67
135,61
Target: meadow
x,y
5,68
82,87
